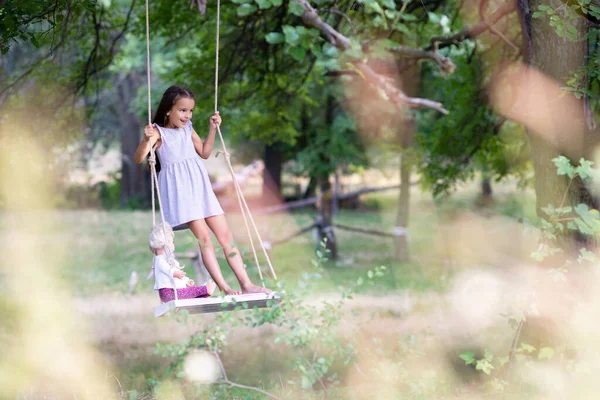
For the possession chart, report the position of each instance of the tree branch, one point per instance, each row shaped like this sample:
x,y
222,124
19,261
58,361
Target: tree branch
x,y
341,14
201,5
482,7
438,42
446,65
233,384
336,39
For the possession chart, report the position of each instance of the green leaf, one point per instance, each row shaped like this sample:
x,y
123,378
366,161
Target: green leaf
x,y
298,53
468,356
585,169
375,7
242,1
277,3
391,14
246,9
355,50
527,348
563,166
263,4
546,353
583,227
296,9
485,366
563,210
291,35
275,38
306,383
549,210
591,217
586,255
433,17
388,4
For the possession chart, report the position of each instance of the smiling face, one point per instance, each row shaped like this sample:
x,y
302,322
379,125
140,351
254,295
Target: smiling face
x,y
180,113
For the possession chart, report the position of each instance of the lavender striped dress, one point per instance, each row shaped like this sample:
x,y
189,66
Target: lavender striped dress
x,y
185,190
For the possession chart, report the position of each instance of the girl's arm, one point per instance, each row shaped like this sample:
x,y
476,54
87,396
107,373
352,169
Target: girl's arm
x,y
151,136
205,148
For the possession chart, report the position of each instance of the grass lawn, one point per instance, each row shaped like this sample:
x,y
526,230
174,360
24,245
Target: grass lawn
x,y
447,238
104,247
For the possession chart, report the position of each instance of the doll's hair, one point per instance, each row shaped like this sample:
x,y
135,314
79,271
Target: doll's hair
x,y
160,236
158,240
168,100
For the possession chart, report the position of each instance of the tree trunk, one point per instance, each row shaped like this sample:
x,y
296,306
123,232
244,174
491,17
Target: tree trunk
x,y
402,253
133,182
311,188
271,190
486,198
406,131
325,229
559,59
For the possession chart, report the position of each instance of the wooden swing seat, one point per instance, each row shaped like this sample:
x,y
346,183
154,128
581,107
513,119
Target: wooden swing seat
x,y
216,304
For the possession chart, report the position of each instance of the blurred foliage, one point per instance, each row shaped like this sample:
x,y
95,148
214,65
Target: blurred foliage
x,y
471,138
277,79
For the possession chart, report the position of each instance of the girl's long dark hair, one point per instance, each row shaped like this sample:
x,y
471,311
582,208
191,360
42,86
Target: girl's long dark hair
x,y
169,99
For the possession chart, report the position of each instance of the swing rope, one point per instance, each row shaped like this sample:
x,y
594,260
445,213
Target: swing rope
x,y
238,190
152,157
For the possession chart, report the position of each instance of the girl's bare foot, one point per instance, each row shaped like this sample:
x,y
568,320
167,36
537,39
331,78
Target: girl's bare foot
x,y
252,288
210,287
231,292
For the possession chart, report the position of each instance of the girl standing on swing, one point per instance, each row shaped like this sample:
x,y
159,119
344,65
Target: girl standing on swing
x,y
186,193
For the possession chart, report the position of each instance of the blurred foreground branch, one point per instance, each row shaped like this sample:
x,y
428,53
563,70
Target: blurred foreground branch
x,y
233,384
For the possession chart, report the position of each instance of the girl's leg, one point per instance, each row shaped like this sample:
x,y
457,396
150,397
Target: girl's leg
x,y
200,230
218,224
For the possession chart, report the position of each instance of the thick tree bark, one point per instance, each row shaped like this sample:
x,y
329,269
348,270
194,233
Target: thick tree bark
x,y
133,182
558,58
